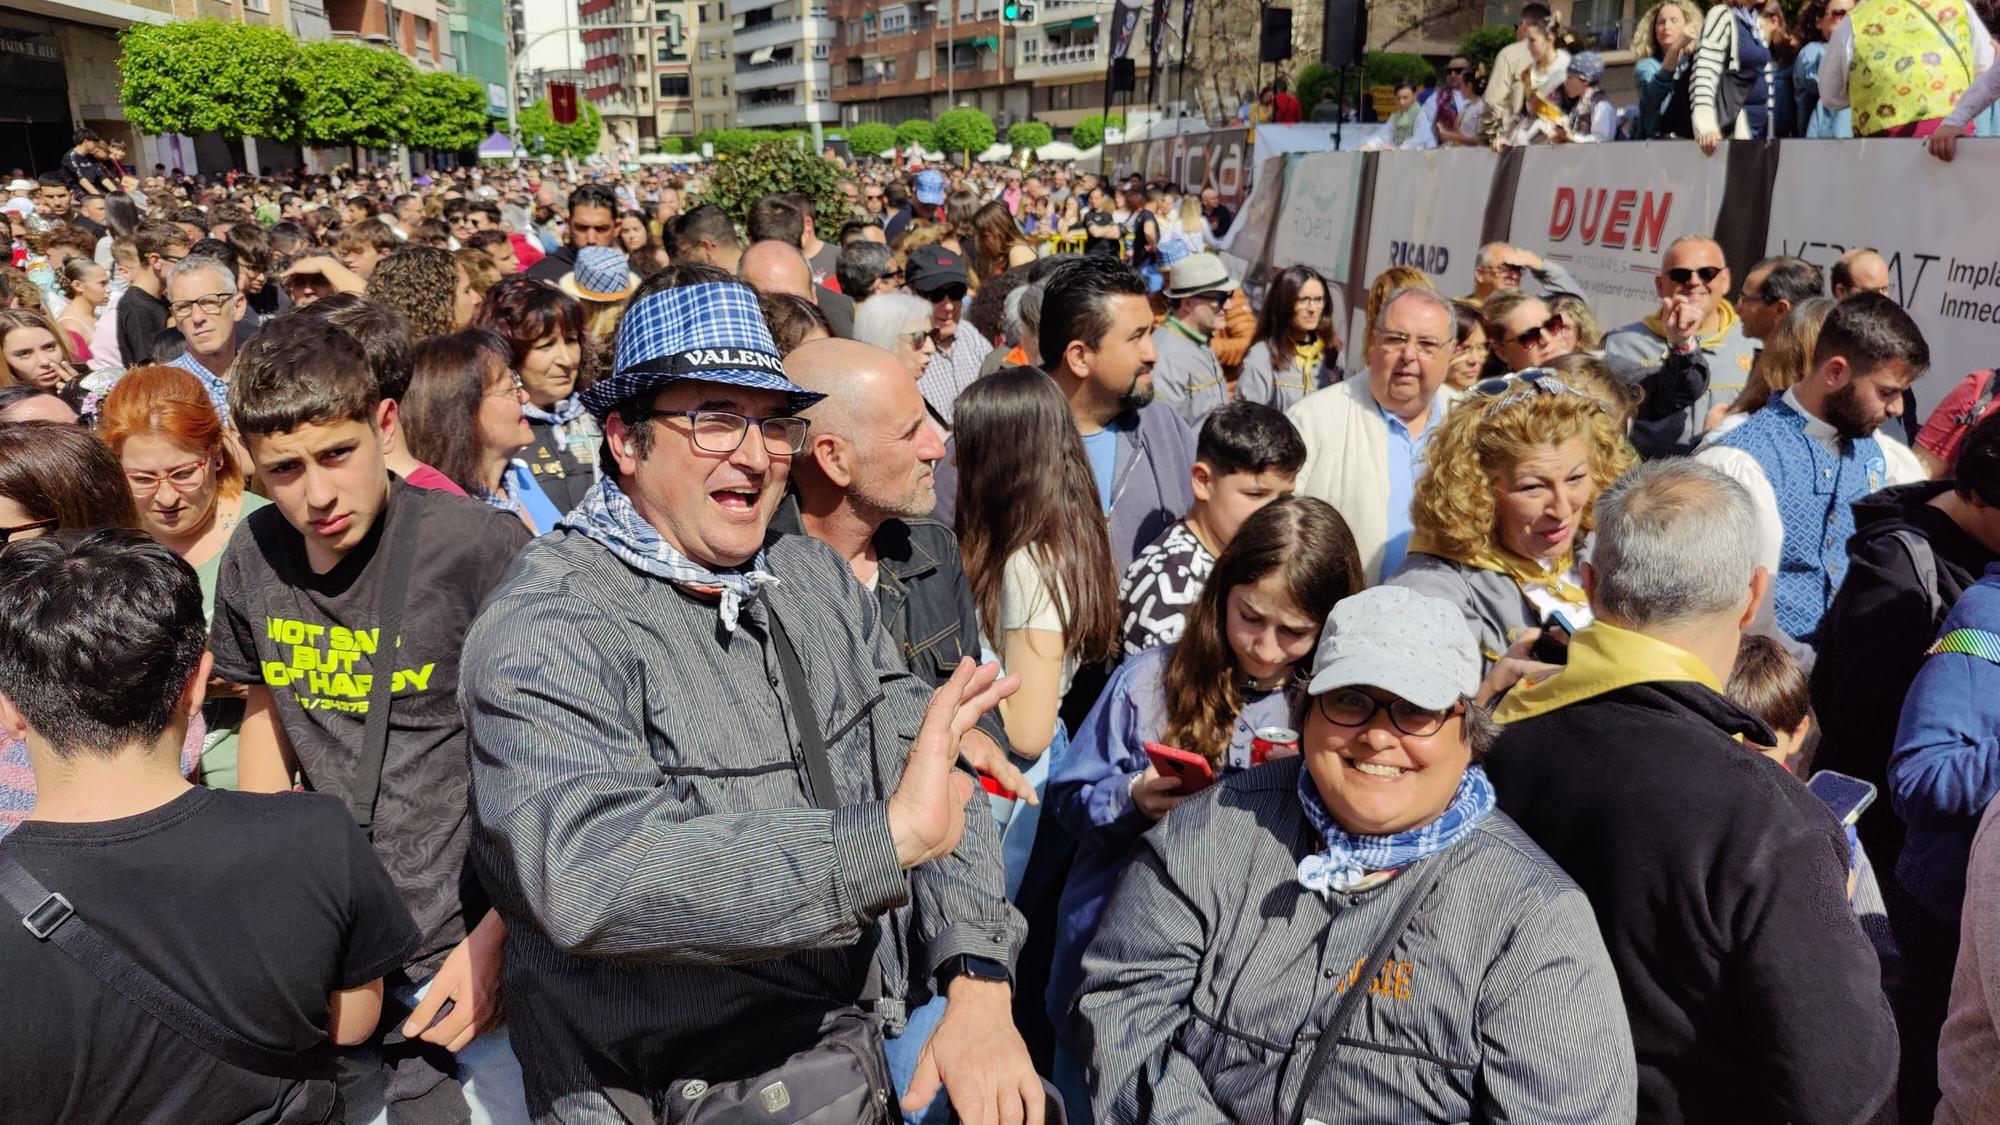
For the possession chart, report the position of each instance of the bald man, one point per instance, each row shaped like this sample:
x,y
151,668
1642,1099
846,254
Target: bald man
x,y
771,266
1860,270
863,486
1693,270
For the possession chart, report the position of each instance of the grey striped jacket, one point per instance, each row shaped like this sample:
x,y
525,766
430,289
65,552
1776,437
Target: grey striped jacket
x,y
1206,986
676,908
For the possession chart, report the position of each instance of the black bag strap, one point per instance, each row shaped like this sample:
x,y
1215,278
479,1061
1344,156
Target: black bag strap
x,y
1343,1013
812,742
51,918
1983,400
365,788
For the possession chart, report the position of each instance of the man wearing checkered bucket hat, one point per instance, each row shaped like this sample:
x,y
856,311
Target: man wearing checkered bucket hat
x,y
703,781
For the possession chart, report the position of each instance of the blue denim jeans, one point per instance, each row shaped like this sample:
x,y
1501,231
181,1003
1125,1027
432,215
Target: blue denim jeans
x,y
488,1073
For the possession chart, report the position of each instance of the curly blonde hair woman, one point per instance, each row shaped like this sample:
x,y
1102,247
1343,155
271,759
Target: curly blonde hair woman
x,y
1509,490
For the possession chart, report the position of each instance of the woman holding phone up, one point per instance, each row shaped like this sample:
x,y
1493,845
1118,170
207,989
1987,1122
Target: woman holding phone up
x,y
1232,673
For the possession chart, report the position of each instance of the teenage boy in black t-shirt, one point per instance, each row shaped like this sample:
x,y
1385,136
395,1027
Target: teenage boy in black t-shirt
x,y
269,913
300,600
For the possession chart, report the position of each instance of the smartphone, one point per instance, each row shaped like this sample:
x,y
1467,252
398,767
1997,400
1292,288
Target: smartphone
x,y
1552,647
1193,770
1848,797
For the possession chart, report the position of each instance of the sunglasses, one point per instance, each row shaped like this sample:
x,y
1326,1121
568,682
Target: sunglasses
x,y
1683,275
947,293
1506,390
1456,69
1533,336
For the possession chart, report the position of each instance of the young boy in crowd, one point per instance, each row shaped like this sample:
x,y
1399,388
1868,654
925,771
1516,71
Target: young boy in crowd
x,y
1247,455
270,914
345,601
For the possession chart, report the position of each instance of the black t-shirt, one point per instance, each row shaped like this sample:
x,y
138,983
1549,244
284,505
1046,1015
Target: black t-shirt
x,y
311,639
1093,244
255,907
141,319
1219,217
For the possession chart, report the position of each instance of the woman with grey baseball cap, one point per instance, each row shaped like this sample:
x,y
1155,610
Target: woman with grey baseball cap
x,y
1357,934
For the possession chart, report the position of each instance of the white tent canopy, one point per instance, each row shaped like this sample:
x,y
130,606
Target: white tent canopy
x,y
1058,150
996,153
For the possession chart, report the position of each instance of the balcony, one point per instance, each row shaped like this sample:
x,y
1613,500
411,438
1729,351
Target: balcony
x,y
777,33
1062,61
786,115
774,74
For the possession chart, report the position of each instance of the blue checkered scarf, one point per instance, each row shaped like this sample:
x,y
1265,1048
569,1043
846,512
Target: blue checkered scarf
x,y
606,515
562,413
1349,858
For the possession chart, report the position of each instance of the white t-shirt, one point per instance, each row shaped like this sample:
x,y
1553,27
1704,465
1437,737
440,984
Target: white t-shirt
x,y
1028,601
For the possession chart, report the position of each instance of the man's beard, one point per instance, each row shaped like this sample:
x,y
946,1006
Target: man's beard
x,y
1138,396
1847,416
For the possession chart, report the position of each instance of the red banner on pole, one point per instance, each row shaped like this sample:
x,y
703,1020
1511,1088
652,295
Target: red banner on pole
x,y
562,102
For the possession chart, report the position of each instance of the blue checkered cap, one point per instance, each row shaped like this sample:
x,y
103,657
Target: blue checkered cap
x,y
930,186
714,333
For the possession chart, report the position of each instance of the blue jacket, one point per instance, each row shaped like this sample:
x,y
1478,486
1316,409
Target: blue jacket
x,y
1091,796
1946,765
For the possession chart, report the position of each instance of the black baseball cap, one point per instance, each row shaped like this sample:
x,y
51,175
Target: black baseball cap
x,y
934,267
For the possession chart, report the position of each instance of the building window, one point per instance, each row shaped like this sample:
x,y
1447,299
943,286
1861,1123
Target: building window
x,y
708,87
708,122
888,70
707,50
821,50
674,85
725,87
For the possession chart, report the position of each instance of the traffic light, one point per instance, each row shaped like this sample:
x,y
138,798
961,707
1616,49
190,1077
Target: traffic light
x,y
1017,13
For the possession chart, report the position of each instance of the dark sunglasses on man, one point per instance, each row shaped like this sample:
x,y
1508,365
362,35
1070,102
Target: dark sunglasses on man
x,y
946,293
1681,275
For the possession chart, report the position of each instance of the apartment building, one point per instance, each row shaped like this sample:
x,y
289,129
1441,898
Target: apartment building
x,y
916,59
781,69
419,30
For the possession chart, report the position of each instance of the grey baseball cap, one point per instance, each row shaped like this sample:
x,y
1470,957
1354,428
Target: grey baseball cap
x,y
1399,641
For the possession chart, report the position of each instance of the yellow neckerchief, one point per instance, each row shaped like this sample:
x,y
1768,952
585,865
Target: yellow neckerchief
x,y
1714,339
1604,658
1310,353
1525,572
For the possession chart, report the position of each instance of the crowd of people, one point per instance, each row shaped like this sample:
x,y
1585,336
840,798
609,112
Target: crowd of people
x,y
510,646
1742,70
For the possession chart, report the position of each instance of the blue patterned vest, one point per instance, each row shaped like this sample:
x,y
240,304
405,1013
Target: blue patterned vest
x,y
1816,491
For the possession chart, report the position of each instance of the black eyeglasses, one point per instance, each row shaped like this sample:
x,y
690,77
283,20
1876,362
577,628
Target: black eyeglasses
x,y
1456,69
1748,297
1533,336
47,525
1682,275
948,293
1351,707
720,431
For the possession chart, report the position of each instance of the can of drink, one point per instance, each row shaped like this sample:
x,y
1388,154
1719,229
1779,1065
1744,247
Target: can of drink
x,y
1268,739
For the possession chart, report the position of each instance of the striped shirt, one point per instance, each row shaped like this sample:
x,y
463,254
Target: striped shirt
x,y
951,371
676,907
1213,971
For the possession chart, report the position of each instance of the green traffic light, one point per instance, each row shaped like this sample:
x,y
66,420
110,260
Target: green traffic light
x,y
1011,11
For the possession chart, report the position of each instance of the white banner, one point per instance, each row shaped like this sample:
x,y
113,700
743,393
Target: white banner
x,y
1278,140
1608,211
1429,207
1937,224
1316,226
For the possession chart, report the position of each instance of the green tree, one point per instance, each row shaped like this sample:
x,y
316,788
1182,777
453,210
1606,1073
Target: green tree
x,y
443,112
870,138
773,166
965,130
917,133
197,76
1314,79
540,133
1481,44
1089,132
673,146
1386,68
1029,134
351,95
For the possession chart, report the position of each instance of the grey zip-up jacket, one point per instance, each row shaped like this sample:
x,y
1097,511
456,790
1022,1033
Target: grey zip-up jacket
x,y
676,906
1207,983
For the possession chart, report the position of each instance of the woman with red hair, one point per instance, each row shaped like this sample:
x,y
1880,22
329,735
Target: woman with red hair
x,y
188,488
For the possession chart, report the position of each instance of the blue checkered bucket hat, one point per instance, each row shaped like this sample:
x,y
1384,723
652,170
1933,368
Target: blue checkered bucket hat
x,y
714,333
930,186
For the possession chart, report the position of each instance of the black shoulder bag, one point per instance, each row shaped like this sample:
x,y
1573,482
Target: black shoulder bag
x,y
365,786
50,917
844,1075
1343,1013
